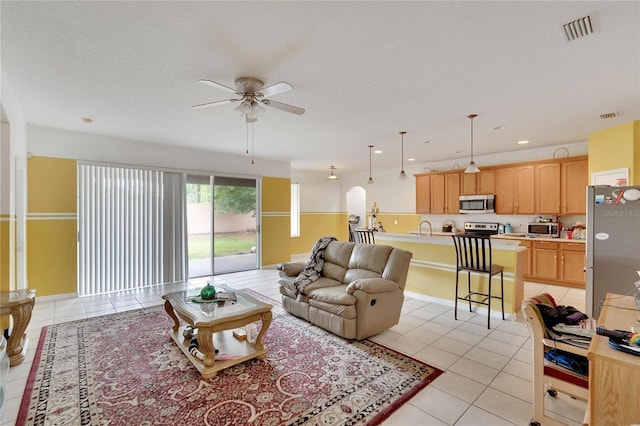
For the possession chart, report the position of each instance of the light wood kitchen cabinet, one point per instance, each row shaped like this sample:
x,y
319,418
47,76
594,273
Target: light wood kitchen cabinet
x,y
572,263
575,179
545,260
547,188
423,194
452,193
478,183
528,267
438,193
438,189
504,185
524,200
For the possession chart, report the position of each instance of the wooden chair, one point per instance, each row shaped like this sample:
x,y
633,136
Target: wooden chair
x,y
473,254
364,236
545,373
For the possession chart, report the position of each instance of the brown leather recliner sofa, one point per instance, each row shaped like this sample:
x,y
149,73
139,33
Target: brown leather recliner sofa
x,y
359,292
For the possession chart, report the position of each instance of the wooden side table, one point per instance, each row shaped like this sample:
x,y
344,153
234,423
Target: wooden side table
x,y
18,304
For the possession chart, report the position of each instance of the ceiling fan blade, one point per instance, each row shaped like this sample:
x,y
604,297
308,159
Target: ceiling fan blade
x,y
219,86
284,107
210,104
276,89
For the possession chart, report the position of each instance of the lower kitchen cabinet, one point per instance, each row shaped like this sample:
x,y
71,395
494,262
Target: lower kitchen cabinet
x,y
572,263
545,260
551,262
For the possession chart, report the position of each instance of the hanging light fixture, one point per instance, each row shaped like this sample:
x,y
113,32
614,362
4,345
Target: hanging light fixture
x,y
332,176
403,175
472,168
370,181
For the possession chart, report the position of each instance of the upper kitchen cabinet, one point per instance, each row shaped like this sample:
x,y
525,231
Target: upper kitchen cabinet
x,y
524,200
452,193
504,185
423,194
438,193
547,188
575,178
478,183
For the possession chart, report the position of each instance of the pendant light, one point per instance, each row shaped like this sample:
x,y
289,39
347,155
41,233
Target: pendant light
x,y
370,181
403,175
332,176
472,168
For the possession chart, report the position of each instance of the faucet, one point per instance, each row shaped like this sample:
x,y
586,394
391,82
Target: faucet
x,y
420,228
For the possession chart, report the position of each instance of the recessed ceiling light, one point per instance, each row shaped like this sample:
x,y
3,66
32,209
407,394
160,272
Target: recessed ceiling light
x,y
87,120
428,141
499,127
377,151
523,142
411,159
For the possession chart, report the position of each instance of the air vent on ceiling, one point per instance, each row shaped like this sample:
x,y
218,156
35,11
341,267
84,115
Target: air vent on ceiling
x,y
580,27
609,115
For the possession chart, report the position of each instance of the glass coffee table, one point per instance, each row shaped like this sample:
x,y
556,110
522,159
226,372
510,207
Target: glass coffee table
x,y
215,322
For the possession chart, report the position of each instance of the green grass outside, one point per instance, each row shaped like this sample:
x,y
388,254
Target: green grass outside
x,y
224,244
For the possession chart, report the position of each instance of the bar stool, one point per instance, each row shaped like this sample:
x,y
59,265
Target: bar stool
x,y
473,254
365,236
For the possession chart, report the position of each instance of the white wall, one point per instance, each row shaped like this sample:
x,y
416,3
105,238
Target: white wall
x,y
50,142
13,175
317,193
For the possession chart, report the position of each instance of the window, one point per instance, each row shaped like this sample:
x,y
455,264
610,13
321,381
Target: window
x,y
295,209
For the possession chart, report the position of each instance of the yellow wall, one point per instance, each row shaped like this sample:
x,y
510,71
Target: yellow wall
x,y
616,148
51,225
313,226
276,220
405,222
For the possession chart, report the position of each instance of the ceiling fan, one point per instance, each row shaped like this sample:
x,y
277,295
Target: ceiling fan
x,y
252,96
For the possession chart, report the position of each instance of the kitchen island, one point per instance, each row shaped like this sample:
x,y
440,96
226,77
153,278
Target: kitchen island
x,y
432,273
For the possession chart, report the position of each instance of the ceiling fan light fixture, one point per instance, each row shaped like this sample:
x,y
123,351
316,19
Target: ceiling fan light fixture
x,y
332,176
403,174
472,168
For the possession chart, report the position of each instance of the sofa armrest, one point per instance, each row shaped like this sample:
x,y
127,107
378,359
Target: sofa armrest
x,y
372,285
290,269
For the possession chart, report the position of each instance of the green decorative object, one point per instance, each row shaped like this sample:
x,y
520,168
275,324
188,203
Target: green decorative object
x,y
208,292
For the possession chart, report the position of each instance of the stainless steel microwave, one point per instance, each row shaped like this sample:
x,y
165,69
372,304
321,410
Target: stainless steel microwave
x,y
550,229
477,203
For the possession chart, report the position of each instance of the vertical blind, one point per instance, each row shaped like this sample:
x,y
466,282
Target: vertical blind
x,y
120,232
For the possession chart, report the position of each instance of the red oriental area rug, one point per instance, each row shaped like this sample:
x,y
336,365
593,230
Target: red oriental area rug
x,y
124,369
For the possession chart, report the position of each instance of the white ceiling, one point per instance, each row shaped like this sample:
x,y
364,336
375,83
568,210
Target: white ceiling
x,y
362,70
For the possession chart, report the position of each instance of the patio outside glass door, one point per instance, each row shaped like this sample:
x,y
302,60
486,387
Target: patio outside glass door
x,y
221,225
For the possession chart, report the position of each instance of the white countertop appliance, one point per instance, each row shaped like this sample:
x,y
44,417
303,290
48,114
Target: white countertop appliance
x,y
548,229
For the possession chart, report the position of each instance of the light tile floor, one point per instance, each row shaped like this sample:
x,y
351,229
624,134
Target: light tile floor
x,y
488,372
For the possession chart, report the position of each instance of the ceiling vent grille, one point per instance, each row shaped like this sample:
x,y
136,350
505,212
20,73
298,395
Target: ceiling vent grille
x,y
609,115
581,27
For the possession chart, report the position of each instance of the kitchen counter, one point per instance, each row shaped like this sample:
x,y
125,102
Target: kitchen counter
x,y
519,236
432,272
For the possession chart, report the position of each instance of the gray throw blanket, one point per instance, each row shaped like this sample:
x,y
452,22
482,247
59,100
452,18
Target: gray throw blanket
x,y
314,266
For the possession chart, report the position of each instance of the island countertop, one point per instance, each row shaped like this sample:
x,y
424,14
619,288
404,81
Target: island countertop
x,y
432,272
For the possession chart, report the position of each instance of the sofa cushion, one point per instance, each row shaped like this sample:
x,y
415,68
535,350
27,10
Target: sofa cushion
x,y
336,260
343,311
367,261
336,295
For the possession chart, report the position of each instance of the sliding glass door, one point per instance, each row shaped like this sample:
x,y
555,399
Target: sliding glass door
x,y
221,225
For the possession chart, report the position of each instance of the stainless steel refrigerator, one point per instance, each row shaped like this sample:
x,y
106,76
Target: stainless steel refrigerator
x,y
613,243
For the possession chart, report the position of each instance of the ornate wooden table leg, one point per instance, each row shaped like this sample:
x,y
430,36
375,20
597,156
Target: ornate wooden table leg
x,y
205,345
21,315
265,318
169,309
